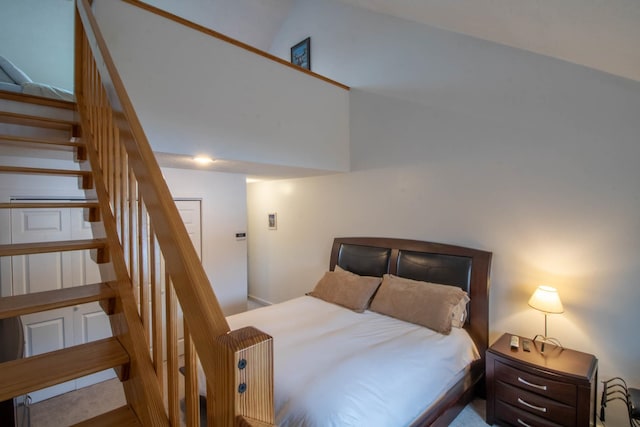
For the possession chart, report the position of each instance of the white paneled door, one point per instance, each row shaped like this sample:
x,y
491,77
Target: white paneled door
x,y
65,327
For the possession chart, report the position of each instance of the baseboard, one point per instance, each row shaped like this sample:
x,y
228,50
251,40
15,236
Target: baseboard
x,y
259,300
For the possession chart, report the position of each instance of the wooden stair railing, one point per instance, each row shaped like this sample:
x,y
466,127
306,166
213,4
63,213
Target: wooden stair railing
x,y
157,255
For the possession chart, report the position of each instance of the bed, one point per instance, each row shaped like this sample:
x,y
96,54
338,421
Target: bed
x,y
13,79
354,358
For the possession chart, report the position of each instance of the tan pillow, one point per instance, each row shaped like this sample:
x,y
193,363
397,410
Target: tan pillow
x,y
422,303
346,289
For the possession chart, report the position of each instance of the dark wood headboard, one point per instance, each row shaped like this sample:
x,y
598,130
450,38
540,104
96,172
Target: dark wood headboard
x,y
426,261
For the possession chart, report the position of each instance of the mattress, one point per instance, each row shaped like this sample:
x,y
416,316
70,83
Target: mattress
x,y
335,367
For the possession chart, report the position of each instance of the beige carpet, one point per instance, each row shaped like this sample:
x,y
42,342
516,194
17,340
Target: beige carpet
x,y
82,404
79,405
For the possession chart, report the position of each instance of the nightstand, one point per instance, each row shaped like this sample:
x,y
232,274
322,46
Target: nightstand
x,y
554,388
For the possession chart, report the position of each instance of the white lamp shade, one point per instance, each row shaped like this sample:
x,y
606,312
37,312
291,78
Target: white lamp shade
x,y
547,300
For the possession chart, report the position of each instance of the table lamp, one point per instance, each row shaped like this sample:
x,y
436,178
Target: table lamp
x,y
546,300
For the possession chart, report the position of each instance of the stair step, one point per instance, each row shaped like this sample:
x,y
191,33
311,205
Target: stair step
x,y
70,142
76,145
63,246
36,121
19,305
38,100
43,171
85,176
93,207
34,373
121,417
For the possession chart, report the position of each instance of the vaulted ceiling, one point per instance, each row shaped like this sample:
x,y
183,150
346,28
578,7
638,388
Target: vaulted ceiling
x,y
600,34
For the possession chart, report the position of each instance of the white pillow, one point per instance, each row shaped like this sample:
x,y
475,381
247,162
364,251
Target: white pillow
x,y
459,313
15,73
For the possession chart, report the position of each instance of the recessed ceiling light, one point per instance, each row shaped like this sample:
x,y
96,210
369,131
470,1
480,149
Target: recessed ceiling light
x,y
203,160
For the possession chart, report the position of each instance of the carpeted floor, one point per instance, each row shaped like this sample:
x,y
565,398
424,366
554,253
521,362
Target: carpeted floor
x,y
82,404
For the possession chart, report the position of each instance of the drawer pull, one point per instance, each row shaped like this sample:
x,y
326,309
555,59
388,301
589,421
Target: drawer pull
x,y
529,405
522,423
525,382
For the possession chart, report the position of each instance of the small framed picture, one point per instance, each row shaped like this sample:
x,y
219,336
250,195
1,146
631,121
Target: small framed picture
x,y
273,221
301,54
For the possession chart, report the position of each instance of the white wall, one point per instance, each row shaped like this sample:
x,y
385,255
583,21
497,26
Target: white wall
x,y
223,201
220,100
224,213
463,141
37,36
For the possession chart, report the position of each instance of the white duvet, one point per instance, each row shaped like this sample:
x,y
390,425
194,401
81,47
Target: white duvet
x,y
335,367
47,91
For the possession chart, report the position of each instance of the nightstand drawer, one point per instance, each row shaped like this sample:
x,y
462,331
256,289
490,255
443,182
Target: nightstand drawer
x,y
557,387
535,404
516,417
556,390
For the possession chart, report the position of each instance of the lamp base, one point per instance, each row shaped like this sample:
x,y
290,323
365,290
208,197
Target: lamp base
x,y
549,340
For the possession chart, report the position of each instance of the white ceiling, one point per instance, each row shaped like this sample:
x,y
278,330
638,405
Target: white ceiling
x,y
600,34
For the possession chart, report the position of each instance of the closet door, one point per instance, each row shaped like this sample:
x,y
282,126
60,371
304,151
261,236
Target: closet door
x,y
90,322
44,332
64,327
50,330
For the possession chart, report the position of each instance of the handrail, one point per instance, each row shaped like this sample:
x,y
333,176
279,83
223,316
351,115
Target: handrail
x,y
230,40
152,254
188,275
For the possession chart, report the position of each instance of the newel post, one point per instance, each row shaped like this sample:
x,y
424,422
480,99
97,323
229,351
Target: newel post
x,y
243,387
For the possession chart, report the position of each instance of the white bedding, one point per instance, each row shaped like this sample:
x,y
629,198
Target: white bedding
x,y
47,91
13,79
335,367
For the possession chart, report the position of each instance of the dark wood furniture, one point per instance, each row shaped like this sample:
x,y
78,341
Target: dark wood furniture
x,y
554,388
11,348
437,263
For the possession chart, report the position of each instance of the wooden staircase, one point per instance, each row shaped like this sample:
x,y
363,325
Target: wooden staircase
x,y
148,266
22,376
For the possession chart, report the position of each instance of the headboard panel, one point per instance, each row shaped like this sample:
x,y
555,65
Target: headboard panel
x,y
364,260
435,268
426,261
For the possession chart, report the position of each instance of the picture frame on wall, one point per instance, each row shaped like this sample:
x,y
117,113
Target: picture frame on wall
x,y
301,54
272,220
